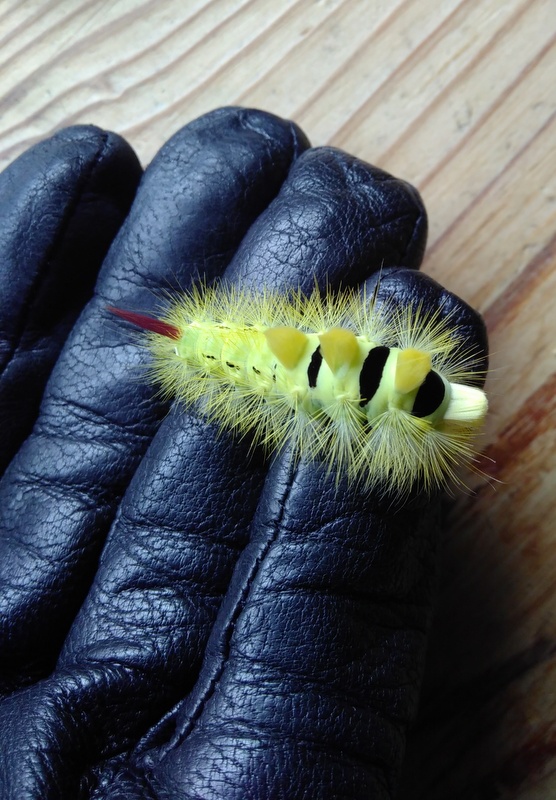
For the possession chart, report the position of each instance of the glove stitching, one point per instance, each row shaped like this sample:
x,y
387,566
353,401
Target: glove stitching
x,y
181,735
50,254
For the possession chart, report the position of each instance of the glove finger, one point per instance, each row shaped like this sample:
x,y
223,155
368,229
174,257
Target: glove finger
x,y
187,513
313,666
60,493
336,221
62,203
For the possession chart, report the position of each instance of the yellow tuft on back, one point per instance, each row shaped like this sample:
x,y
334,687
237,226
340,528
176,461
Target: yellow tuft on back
x,y
339,348
288,345
412,367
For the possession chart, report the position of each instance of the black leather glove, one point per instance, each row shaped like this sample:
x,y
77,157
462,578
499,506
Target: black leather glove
x,y
181,618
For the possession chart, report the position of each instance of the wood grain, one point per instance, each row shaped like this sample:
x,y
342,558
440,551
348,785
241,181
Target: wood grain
x,y
457,97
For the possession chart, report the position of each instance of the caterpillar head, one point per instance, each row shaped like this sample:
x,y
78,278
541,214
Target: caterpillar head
x,y
414,386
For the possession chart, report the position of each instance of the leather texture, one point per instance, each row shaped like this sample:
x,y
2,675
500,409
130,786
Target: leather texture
x,y
182,617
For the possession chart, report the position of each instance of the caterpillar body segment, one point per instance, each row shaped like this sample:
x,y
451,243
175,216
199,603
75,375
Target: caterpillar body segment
x,y
379,394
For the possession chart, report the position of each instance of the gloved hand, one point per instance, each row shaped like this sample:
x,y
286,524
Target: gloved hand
x,y
181,617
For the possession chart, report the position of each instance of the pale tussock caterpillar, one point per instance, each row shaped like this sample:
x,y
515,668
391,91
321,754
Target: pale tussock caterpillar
x,y
381,394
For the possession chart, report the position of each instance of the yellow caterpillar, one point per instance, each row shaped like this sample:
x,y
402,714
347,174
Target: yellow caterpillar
x,y
378,393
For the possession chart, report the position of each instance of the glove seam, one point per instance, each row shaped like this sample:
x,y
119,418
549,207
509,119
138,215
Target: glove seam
x,y
181,734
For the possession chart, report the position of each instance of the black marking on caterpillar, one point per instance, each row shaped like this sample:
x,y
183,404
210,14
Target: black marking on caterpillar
x,y
371,373
314,367
380,394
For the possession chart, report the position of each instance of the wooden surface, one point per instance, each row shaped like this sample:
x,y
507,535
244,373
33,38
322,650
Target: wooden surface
x,y
456,96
